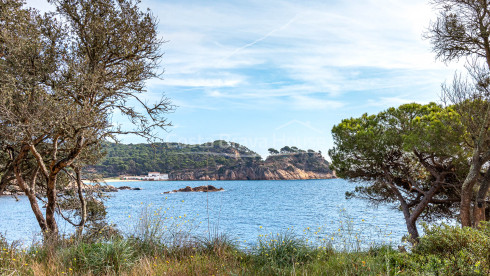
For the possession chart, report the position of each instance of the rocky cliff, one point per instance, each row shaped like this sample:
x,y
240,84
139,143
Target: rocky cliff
x,y
287,166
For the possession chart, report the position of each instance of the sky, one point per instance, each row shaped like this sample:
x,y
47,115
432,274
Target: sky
x,y
267,74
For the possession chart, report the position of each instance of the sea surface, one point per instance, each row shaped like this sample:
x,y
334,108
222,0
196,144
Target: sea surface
x,y
316,210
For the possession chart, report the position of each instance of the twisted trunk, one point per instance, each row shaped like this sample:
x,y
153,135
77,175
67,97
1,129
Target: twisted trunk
x,y
480,204
51,205
28,191
83,203
467,189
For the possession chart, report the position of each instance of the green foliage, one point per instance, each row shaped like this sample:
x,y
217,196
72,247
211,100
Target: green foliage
x,y
455,250
101,257
444,250
139,159
273,151
218,244
283,250
210,158
402,153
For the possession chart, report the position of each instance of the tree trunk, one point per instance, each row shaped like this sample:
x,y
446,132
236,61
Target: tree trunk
x,y
83,203
481,200
51,206
479,213
412,230
467,189
409,220
32,200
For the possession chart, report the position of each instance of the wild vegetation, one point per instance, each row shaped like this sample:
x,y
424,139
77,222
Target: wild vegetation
x,y
442,250
214,158
139,159
64,74
431,159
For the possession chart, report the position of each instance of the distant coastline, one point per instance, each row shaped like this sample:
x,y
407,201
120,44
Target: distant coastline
x,y
218,160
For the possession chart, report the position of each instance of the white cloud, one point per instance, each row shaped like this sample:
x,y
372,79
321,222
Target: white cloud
x,y
385,102
307,42
198,82
239,49
310,103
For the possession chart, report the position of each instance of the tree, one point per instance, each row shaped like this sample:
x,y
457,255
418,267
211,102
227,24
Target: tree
x,y
62,80
406,155
273,151
286,150
462,30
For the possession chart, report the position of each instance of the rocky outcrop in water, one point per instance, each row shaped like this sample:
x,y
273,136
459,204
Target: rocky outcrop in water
x,y
205,189
129,188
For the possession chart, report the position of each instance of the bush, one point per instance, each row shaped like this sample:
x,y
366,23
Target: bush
x,y
455,250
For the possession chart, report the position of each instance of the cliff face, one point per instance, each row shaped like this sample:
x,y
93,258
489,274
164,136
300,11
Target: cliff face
x,y
275,167
218,160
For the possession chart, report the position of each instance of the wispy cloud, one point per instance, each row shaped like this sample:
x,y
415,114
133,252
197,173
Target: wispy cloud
x,y
259,39
316,44
268,60
312,103
216,83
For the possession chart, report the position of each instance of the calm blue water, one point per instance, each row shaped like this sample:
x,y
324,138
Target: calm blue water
x,y
245,210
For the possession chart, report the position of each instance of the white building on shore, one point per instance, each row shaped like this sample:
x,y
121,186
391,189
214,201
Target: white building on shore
x,y
152,176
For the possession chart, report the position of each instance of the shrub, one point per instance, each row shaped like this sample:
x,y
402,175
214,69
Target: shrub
x,y
454,250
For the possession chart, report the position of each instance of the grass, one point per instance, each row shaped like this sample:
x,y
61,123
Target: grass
x,y
163,245
443,250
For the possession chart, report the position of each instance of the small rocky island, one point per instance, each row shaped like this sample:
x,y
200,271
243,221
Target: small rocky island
x,y
205,189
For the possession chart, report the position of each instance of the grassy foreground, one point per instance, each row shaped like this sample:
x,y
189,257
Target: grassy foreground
x,y
443,250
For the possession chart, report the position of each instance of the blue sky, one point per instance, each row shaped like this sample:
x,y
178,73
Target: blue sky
x,y
275,73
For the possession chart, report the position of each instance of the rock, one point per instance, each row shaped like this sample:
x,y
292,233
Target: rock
x,y
99,187
125,188
299,165
109,189
205,189
129,188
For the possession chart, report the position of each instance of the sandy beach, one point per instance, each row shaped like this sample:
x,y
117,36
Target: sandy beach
x,y
109,180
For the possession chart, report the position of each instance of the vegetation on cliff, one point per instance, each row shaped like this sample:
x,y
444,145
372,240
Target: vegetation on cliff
x,y
139,159
214,160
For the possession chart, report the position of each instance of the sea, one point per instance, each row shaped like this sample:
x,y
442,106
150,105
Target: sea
x,y
316,211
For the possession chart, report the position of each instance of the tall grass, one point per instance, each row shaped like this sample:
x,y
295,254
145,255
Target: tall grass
x,y
158,229
152,249
99,258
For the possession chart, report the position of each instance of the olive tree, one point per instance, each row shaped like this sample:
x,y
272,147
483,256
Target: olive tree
x,y
62,77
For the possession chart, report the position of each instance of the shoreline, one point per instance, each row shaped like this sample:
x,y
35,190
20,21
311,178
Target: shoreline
x,y
110,180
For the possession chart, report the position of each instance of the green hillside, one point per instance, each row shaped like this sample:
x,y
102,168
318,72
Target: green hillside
x,y
138,159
